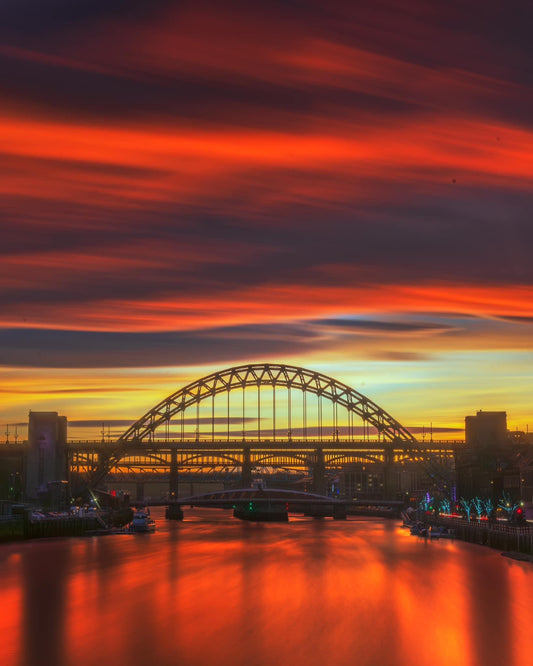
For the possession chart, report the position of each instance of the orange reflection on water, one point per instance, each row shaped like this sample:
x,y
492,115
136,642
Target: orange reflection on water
x,y
442,620
214,590
10,616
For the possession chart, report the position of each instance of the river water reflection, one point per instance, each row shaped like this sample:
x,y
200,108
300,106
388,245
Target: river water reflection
x,y
216,591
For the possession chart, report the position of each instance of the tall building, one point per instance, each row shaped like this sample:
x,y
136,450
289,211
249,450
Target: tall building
x,y
46,461
486,429
494,461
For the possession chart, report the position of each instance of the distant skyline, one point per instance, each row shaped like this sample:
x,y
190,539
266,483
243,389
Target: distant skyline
x,y
341,186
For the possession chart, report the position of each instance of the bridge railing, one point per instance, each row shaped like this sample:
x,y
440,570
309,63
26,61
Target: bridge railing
x,y
435,444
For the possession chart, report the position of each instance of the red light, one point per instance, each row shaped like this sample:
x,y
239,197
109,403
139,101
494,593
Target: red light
x,y
113,493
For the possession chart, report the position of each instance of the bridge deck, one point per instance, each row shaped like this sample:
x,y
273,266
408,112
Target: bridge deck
x,y
239,444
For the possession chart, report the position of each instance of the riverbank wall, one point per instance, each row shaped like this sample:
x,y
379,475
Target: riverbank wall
x,y
18,527
505,537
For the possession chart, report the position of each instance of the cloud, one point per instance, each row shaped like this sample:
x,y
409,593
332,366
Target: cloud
x,y
416,337
257,57
77,349
519,319
438,429
352,324
116,423
401,356
82,390
191,183
273,304
90,423
202,158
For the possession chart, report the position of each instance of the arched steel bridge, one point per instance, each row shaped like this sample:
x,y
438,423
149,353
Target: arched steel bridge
x,y
295,439
276,376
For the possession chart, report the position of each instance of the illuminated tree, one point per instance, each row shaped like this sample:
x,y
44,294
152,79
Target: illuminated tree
x,y
467,506
508,505
478,506
488,507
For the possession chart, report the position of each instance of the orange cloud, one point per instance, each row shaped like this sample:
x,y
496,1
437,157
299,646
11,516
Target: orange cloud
x,y
269,304
131,167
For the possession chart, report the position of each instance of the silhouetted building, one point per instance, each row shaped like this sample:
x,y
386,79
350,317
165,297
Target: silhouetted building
x,y
11,471
486,429
494,460
46,461
408,480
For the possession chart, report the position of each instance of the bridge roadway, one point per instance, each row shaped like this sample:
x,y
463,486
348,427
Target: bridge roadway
x,y
223,442
96,459
158,453
260,499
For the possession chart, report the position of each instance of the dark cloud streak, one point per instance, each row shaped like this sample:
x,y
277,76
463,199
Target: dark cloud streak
x,y
74,349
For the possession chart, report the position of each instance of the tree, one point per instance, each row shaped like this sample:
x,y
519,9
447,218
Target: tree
x,y
466,505
508,505
477,505
488,507
426,503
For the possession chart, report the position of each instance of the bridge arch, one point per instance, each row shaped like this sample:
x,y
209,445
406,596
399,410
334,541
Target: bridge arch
x,y
141,440
268,374
360,456
271,459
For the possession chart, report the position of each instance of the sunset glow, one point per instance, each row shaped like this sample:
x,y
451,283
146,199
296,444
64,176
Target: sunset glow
x,y
197,186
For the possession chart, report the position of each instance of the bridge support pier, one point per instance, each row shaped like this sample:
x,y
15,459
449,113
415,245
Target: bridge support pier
x,y
319,473
339,512
389,486
246,473
139,494
173,479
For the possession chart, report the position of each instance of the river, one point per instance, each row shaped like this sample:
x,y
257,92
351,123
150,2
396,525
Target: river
x,y
212,590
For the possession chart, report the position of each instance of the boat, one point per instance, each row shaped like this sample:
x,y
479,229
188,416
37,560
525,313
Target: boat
x,y
441,532
409,517
419,529
142,521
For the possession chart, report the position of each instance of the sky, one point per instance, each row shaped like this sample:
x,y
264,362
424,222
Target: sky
x,y
343,186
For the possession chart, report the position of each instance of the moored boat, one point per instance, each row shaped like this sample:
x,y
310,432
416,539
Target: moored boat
x,y
440,532
142,521
419,529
